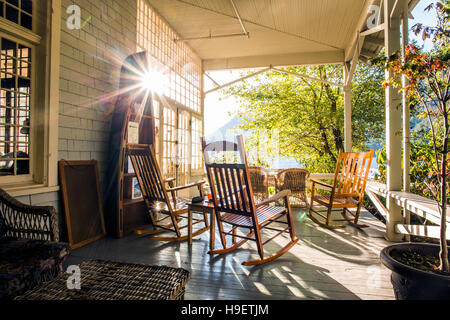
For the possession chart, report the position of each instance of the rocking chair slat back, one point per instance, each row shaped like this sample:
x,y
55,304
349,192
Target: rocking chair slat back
x,y
147,172
351,173
229,182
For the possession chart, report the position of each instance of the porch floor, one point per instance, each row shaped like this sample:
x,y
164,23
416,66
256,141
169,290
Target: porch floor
x,y
324,264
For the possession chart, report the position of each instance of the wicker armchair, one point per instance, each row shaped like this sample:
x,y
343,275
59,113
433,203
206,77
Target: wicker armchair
x,y
294,180
260,183
29,251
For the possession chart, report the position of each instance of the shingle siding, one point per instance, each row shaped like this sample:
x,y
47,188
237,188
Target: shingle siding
x,y
90,68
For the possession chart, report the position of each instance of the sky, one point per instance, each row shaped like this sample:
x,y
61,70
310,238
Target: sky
x,y
219,109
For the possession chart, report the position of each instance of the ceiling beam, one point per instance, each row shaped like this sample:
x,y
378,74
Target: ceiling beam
x,y
375,41
309,78
397,9
210,78
365,60
350,49
290,59
244,31
373,30
302,76
368,53
237,80
355,60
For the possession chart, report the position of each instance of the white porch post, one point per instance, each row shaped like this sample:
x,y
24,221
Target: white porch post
x,y
347,112
406,116
393,125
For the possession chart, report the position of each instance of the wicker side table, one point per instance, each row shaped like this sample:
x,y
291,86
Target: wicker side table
x,y
108,280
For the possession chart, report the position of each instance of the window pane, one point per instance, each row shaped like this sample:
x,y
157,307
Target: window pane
x,y
27,6
8,45
24,53
15,63
12,14
20,12
13,2
26,21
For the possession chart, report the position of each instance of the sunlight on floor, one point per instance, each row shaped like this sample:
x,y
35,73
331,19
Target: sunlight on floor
x,y
178,258
296,291
282,278
239,263
235,274
262,288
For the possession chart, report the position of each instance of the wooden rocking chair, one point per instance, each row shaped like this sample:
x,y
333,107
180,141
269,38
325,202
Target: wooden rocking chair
x,y
235,206
162,208
347,191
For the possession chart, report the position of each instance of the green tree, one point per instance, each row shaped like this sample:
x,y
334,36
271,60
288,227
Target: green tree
x,y
308,116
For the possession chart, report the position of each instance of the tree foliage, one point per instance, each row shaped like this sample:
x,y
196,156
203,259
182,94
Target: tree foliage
x,y
308,116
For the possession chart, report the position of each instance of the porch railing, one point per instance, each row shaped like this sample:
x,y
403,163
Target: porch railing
x,y
411,204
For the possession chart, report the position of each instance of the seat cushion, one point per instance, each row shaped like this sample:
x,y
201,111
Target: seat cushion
x,y
264,213
24,263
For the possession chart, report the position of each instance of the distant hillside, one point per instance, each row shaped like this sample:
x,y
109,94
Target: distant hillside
x,y
229,130
221,132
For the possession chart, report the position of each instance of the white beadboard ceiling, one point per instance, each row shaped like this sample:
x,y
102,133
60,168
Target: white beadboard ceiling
x,y
282,32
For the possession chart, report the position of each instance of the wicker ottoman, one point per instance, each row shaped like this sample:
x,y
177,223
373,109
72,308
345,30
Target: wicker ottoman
x,y
107,280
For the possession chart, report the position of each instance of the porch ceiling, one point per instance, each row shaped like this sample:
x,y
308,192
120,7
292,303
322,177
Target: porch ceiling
x,y
282,32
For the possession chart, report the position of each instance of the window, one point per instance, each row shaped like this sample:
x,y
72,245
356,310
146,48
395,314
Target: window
x,y
169,141
28,142
183,147
157,127
196,133
180,99
15,107
18,11
183,66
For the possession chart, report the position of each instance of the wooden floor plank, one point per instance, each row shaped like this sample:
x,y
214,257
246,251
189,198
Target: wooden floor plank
x,y
324,264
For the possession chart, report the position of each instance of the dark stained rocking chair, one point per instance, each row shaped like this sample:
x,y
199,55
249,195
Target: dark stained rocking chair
x,y
235,206
347,191
157,200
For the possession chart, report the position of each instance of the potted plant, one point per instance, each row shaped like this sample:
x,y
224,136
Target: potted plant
x,y
421,270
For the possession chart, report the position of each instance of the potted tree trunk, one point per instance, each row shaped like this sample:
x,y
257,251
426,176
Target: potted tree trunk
x,y
421,270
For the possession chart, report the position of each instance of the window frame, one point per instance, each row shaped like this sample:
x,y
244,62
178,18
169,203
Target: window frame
x,y
183,92
199,170
44,123
25,178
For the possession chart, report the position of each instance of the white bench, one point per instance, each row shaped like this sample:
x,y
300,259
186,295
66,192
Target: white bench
x,y
419,205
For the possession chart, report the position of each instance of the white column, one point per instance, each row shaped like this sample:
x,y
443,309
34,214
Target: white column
x,y
347,112
393,126
406,116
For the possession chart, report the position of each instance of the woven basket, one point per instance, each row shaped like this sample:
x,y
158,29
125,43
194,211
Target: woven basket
x,y
108,280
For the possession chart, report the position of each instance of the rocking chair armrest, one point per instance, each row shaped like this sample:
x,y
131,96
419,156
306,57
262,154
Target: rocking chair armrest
x,y
187,186
274,198
169,180
315,181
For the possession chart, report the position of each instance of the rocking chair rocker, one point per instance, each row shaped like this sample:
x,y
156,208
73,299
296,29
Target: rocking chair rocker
x,y
235,206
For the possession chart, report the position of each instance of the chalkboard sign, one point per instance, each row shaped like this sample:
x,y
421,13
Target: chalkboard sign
x,y
82,203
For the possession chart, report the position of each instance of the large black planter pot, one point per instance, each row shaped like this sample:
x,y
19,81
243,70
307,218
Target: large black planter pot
x,y
413,284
